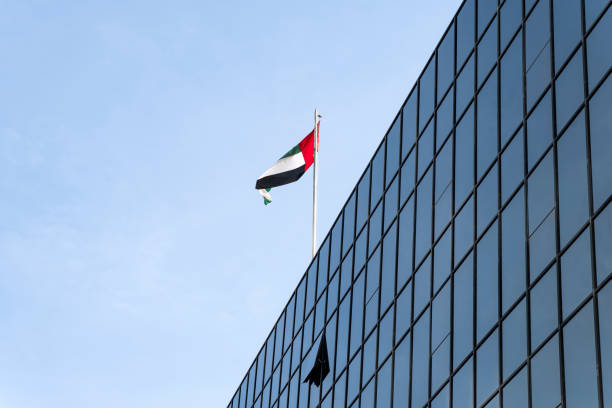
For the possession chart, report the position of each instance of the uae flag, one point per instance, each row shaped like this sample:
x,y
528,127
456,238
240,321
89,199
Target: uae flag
x,y
288,168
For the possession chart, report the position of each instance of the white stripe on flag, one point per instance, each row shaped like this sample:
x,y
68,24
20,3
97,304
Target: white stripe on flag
x,y
285,164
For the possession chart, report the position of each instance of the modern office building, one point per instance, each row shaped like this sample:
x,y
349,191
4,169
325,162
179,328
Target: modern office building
x,y
472,263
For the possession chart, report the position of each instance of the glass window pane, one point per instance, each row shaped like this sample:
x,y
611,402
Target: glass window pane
x,y
343,333
378,172
538,76
426,147
576,281
464,154
354,382
465,86
339,392
487,200
440,318
542,246
487,49
463,302
465,31
423,216
487,125
515,392
605,341
511,87
387,287
332,296
573,180
426,94
401,378
391,203
463,386
405,240
357,313
407,177
324,256
513,251
570,90
404,310
486,283
543,308
601,143
510,16
444,119
567,31
545,388
312,285
537,51
375,229
539,130
440,364
464,230
363,199
442,400
420,361
446,60
442,260
603,243
422,286
486,10
409,123
349,224
383,394
599,54
360,251
512,166
444,190
487,368
514,340
385,336
393,150
541,188
369,357
579,353
592,9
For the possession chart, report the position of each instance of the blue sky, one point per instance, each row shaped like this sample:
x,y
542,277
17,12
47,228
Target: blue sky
x,y
138,265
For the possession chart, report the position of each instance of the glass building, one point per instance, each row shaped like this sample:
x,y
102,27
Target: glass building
x,y
471,265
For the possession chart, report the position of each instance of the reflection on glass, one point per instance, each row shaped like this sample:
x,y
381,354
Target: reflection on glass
x,y
544,307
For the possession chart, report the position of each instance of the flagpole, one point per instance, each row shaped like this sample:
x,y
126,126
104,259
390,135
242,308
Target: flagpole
x,y
314,185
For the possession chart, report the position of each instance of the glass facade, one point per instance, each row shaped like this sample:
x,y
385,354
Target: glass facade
x,y
471,266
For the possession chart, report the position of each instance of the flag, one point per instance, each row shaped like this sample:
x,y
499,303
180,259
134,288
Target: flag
x,y
288,168
321,366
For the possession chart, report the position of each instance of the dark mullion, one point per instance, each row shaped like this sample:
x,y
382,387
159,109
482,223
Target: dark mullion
x,y
525,203
499,209
587,122
557,221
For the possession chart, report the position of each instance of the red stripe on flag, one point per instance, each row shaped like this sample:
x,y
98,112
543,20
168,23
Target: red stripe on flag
x,y
307,147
